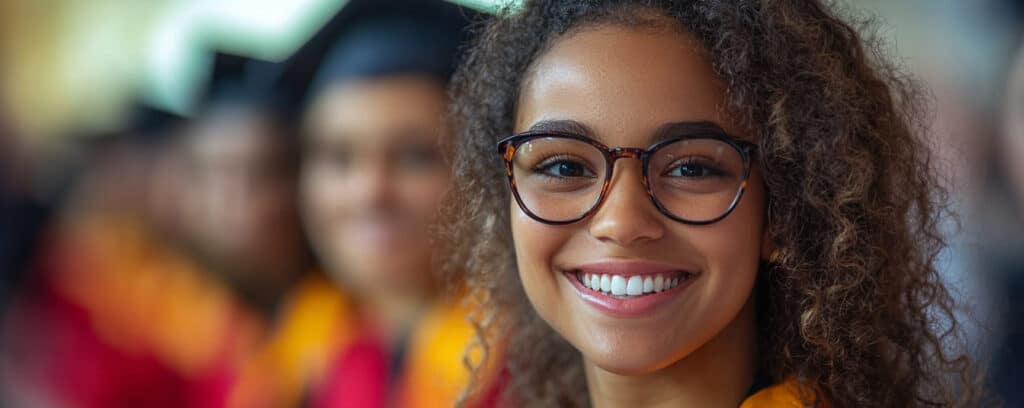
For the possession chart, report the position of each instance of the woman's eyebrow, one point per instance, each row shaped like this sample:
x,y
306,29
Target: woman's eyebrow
x,y
670,130
561,125
664,132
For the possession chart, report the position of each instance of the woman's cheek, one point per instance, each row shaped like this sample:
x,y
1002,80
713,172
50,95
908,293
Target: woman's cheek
x,y
536,245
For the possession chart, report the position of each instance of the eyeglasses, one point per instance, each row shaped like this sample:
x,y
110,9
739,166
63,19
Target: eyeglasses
x,y
561,178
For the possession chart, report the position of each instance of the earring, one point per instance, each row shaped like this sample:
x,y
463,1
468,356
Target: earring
x,y
775,257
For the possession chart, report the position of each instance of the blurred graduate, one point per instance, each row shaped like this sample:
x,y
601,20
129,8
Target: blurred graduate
x,y
372,179
179,275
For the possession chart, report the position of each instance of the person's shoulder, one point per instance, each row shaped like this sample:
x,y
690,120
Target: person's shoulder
x,y
786,394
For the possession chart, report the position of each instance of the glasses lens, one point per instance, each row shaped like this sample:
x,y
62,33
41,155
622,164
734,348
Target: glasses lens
x,y
696,179
558,179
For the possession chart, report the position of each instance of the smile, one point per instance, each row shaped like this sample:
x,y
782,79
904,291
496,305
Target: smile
x,y
628,288
624,287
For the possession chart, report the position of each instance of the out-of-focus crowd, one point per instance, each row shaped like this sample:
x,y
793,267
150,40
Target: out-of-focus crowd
x,y
271,249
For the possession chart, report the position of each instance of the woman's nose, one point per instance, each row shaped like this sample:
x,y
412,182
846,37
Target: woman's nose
x,y
627,216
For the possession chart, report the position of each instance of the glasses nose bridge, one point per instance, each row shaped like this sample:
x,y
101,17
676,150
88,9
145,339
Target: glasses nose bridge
x,y
625,153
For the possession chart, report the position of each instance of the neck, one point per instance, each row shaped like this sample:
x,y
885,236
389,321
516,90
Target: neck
x,y
393,313
263,293
719,374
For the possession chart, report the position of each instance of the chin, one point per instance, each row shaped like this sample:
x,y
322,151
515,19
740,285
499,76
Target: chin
x,y
628,357
384,275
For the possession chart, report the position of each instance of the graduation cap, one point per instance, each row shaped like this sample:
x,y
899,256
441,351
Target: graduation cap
x,y
142,125
241,81
149,124
376,38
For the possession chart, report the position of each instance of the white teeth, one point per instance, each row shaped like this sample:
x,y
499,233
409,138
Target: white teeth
x,y
618,285
635,286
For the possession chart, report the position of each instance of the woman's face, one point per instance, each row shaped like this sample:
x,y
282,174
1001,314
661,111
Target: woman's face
x,y
621,85
239,194
372,179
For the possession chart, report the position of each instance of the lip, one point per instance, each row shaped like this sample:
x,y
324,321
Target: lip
x,y
631,307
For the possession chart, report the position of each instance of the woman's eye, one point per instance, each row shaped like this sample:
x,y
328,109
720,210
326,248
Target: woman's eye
x,y
563,168
692,169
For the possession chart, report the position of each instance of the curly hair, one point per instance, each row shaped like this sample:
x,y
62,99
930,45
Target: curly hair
x,y
854,309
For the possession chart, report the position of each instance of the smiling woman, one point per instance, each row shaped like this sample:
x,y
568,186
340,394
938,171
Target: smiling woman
x,y
711,204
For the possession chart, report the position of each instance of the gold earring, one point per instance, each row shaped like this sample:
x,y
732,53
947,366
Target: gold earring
x,y
775,256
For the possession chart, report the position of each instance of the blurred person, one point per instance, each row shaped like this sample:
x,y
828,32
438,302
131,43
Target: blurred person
x,y
22,213
372,179
1002,220
239,219
238,200
182,278
80,334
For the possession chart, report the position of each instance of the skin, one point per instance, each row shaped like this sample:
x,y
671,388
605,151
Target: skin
x,y
699,349
239,205
372,180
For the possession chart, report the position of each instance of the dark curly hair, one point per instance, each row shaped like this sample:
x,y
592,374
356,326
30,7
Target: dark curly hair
x,y
854,309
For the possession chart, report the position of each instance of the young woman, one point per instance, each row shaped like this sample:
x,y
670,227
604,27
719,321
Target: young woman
x,y
372,179
701,204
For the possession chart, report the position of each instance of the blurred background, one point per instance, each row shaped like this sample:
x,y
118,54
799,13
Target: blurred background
x,y
101,102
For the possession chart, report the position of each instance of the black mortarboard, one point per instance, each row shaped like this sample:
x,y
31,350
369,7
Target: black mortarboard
x,y
374,38
149,124
238,80
141,124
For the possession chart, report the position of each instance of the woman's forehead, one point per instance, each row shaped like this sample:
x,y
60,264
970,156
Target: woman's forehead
x,y
620,80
